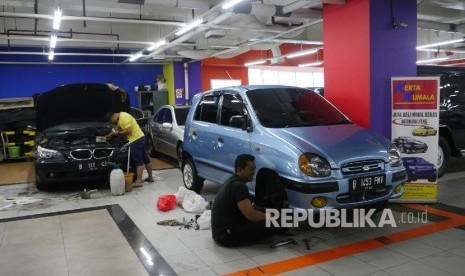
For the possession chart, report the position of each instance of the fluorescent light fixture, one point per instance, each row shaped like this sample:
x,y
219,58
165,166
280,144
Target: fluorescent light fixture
x,y
302,53
57,19
156,45
433,60
136,56
190,26
255,62
53,41
311,64
51,55
440,43
230,4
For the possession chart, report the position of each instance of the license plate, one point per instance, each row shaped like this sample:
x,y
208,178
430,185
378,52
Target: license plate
x,y
92,166
367,184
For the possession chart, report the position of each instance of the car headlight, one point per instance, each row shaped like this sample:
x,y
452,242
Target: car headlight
x,y
394,156
47,153
314,165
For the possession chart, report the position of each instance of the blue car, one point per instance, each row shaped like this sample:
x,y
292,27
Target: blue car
x,y
419,168
307,152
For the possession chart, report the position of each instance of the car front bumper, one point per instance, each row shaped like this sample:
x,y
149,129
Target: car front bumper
x,y
337,194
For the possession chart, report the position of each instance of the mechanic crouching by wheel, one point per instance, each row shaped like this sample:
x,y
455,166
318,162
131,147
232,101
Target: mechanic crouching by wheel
x,y
127,125
234,220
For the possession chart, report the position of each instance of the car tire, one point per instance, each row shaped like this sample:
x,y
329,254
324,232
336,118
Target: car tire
x,y
190,178
432,178
443,156
152,151
179,151
269,191
40,185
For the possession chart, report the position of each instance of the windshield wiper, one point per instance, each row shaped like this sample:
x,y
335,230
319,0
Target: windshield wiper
x,y
342,122
303,125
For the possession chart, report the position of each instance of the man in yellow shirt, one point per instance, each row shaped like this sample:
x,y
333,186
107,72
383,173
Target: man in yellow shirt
x,y
127,125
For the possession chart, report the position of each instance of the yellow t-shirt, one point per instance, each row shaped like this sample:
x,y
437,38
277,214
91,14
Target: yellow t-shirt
x,y
125,121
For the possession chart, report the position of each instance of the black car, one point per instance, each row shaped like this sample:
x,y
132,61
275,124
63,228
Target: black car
x,y
451,112
70,124
409,145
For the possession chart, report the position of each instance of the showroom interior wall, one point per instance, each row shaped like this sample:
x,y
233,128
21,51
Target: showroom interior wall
x,y
24,80
363,50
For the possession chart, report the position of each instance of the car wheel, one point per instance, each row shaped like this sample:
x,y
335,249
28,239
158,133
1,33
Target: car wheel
x,y
189,175
152,151
409,178
432,178
443,156
179,154
269,191
40,185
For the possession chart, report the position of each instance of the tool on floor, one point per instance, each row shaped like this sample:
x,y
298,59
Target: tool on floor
x,y
282,243
309,244
86,194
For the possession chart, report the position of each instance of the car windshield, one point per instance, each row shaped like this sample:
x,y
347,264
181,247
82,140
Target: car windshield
x,y
293,107
181,115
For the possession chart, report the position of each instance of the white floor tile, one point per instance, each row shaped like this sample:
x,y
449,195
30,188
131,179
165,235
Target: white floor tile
x,y
415,268
382,258
347,266
219,255
413,250
446,261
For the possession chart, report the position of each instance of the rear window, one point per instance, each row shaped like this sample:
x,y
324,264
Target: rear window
x,y
207,110
293,107
181,115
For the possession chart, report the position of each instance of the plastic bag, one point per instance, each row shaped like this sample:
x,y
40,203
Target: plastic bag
x,y
191,201
166,202
205,220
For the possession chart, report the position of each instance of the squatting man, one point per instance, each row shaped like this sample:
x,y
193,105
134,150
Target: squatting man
x,y
235,220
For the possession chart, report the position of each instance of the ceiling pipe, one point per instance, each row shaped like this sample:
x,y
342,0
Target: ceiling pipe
x,y
258,9
91,18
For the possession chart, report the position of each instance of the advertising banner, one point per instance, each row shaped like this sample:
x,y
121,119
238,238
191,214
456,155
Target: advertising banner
x,y
415,132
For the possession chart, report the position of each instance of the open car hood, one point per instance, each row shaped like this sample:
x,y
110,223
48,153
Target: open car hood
x,y
83,102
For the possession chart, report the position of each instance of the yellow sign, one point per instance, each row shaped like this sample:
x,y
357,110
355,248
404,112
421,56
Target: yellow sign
x,y
420,191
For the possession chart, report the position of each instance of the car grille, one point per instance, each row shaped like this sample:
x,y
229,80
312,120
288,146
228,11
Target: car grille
x,y
364,166
86,154
101,153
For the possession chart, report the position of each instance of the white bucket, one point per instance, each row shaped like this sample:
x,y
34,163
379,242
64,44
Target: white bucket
x,y
117,184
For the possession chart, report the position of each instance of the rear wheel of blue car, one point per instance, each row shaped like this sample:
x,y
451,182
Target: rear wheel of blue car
x,y
189,175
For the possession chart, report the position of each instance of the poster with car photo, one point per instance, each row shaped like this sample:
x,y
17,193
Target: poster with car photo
x,y
415,127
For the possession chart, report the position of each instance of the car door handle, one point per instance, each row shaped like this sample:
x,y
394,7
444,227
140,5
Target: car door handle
x,y
194,134
220,142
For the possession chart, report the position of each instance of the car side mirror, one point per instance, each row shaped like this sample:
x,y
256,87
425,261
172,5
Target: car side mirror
x,y
238,121
167,125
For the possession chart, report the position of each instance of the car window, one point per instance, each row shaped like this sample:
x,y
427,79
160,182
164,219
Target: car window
x,y
293,107
207,110
232,105
181,115
160,115
168,118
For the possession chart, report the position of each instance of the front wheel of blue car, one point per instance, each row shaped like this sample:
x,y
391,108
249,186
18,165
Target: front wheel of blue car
x,y
189,175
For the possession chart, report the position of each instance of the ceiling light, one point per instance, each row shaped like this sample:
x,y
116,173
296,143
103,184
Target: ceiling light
x,y
156,45
431,60
51,55
136,56
190,26
53,41
302,53
230,4
57,19
255,62
440,43
311,64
